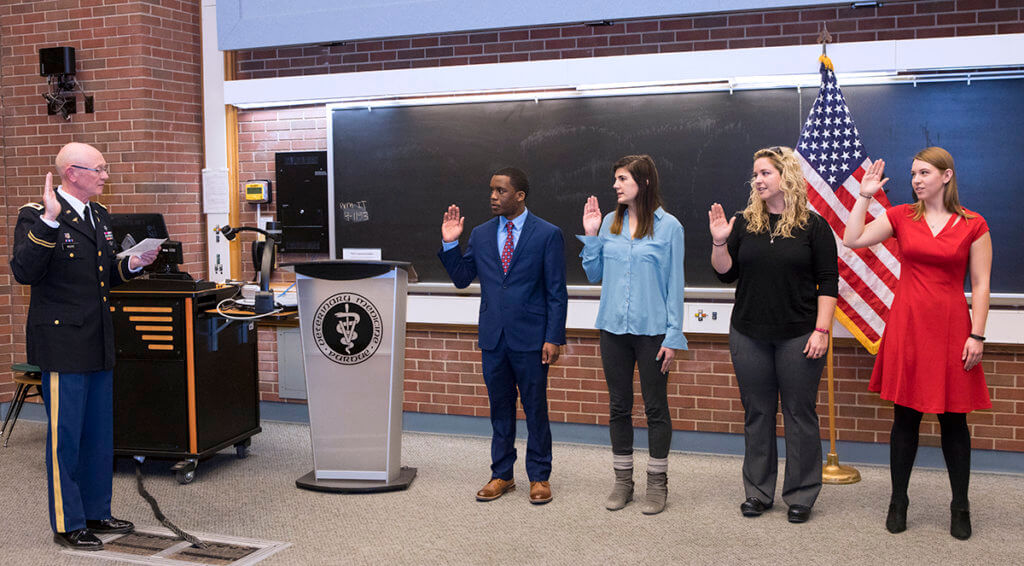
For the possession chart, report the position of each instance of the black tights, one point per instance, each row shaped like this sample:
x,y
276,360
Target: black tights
x,y
956,449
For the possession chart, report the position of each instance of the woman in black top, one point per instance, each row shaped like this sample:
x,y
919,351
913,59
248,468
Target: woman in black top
x,y
784,258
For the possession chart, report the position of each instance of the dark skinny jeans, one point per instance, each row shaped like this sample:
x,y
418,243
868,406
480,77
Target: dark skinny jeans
x,y
620,353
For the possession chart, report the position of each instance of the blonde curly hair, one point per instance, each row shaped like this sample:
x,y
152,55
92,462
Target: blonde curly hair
x,y
794,192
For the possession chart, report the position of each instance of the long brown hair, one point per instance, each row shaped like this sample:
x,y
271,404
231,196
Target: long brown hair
x,y
794,193
941,160
648,198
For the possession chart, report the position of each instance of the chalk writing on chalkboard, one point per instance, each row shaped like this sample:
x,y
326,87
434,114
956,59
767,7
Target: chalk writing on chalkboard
x,y
354,211
414,160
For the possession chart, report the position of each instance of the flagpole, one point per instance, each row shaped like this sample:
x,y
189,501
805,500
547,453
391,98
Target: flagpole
x,y
833,472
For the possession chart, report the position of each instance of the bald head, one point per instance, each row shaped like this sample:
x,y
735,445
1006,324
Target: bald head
x,y
75,165
76,153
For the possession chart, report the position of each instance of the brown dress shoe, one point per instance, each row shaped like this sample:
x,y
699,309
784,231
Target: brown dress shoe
x,y
495,489
540,492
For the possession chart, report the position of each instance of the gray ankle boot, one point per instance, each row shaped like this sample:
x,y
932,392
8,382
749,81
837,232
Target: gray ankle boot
x,y
657,492
622,491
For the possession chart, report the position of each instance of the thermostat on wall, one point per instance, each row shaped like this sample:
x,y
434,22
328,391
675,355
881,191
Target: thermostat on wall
x,y
257,191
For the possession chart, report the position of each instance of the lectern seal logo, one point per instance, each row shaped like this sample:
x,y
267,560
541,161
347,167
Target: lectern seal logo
x,y
347,328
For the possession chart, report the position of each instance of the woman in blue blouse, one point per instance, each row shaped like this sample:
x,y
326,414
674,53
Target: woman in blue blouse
x,y
636,253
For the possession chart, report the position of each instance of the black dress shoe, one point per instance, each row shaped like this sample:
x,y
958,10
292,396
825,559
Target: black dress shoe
x,y
753,507
81,539
110,526
896,520
799,513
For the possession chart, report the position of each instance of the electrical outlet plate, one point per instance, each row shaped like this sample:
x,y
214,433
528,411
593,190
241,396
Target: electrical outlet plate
x,y
707,318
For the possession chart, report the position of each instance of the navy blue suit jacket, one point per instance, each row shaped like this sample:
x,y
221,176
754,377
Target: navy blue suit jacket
x,y
528,303
71,269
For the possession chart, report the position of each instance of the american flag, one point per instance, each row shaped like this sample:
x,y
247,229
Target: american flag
x,y
834,161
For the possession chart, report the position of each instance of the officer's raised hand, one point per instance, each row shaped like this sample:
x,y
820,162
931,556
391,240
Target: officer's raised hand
x,y
50,200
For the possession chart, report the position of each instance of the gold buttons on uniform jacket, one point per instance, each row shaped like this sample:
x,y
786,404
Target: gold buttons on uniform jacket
x,y
101,268
72,254
99,254
56,322
102,284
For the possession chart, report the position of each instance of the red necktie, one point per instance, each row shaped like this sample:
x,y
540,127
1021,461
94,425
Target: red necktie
x,y
506,252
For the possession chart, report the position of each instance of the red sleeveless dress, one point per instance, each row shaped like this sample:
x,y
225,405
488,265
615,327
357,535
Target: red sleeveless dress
x,y
919,361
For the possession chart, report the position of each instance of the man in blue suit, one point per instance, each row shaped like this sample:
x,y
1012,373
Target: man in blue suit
x,y
520,262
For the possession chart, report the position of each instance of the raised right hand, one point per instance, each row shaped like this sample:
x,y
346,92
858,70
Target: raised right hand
x,y
872,182
591,217
720,228
451,226
50,200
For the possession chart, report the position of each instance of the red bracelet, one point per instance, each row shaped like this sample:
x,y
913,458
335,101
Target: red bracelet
x,y
823,330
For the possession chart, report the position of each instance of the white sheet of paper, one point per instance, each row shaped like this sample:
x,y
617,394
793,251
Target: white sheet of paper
x,y
143,247
215,191
361,254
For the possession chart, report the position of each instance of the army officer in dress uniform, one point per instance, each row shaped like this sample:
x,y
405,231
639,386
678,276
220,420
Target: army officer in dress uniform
x,y
64,249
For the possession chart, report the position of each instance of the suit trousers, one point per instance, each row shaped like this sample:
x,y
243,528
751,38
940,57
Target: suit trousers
x,y
505,372
766,371
79,446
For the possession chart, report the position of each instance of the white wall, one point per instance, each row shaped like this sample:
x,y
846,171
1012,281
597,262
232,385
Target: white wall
x,y
245,24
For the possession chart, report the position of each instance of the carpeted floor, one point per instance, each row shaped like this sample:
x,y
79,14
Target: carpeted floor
x,y
437,521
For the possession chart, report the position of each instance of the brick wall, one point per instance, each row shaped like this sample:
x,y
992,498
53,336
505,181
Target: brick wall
x,y
261,134
141,61
790,26
443,375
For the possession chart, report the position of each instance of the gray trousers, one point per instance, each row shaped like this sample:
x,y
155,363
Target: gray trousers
x,y
766,371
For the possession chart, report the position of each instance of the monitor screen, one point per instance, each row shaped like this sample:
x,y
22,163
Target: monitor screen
x,y
130,229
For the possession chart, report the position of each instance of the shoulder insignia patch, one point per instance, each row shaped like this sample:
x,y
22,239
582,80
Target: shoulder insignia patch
x,y
34,205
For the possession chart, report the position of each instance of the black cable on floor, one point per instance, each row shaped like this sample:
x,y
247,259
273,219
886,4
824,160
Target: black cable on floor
x,y
159,514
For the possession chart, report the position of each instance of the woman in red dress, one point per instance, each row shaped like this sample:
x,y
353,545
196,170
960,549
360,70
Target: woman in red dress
x,y
929,359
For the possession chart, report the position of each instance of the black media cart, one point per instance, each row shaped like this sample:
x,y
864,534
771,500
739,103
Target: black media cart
x,y
185,383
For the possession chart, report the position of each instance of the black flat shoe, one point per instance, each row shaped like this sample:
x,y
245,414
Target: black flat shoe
x,y
799,513
81,539
960,523
110,526
896,520
753,507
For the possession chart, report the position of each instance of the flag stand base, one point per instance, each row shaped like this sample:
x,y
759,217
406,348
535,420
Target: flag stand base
x,y
833,473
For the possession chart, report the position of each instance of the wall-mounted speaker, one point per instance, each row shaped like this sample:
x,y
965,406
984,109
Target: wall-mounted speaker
x,y
56,61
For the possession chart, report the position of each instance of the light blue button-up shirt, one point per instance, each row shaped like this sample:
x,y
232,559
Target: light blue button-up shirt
x,y
641,279
517,229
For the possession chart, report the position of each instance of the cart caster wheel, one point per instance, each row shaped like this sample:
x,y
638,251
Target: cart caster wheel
x,y
185,470
241,451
